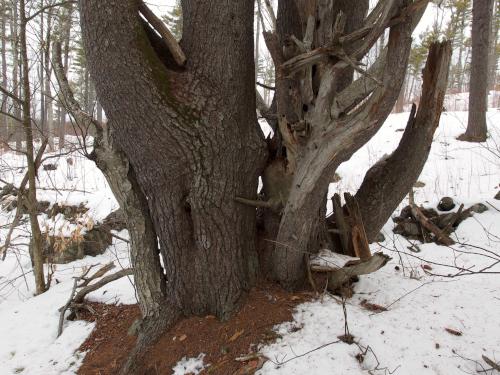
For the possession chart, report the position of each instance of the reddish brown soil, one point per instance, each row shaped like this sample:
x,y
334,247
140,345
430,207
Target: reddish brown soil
x,y
108,344
222,342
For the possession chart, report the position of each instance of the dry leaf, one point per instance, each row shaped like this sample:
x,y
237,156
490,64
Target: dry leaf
x,y
251,367
453,331
372,306
182,337
236,335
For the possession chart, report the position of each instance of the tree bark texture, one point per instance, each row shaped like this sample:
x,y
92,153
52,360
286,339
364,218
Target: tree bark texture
x,y
191,137
478,91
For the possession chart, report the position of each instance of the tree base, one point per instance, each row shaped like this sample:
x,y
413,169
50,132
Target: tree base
x,y
150,330
470,138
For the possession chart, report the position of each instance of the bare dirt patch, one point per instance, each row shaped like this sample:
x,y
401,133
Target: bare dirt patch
x,y
222,342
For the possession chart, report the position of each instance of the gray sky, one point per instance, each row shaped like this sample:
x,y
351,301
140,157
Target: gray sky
x,y
161,7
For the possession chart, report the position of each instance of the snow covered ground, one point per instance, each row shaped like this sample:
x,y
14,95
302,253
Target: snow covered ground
x,y
28,325
409,338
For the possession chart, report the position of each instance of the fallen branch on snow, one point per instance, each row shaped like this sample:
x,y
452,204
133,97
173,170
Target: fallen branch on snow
x,y
76,300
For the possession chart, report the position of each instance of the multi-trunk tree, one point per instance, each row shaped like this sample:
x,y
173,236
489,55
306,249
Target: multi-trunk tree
x,y
183,119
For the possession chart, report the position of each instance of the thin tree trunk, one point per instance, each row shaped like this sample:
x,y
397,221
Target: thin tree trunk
x,y
494,46
4,132
49,108
478,87
257,52
65,22
460,62
36,236
16,74
43,107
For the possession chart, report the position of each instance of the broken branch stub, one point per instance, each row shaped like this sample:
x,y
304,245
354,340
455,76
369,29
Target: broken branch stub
x,y
341,268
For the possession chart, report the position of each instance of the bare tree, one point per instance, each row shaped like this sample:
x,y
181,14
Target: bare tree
x,y
64,35
478,89
47,91
16,73
36,234
3,55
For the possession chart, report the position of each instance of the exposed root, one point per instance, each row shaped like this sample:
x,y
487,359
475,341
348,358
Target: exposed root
x,y
150,330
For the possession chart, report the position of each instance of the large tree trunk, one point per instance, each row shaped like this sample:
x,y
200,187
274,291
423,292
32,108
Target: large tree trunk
x,y
191,137
389,180
478,88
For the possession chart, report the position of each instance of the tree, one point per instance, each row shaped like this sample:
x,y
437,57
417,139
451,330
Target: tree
x,y
194,149
36,235
3,56
494,46
47,107
478,90
16,74
63,35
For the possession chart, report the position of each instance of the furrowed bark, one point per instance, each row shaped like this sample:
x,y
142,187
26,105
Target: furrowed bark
x,y
191,138
389,180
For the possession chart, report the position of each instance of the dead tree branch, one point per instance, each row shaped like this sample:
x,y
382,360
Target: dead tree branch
x,y
79,297
76,300
20,193
170,42
431,227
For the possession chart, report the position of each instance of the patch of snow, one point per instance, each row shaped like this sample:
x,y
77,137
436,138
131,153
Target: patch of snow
x,y
411,337
28,328
189,365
